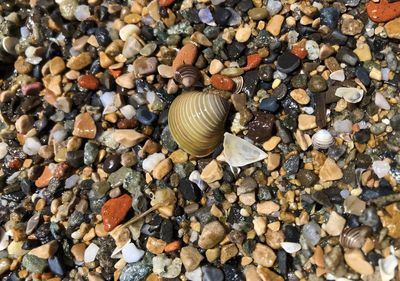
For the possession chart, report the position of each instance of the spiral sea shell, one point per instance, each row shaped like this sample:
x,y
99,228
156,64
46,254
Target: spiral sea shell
x,y
187,75
322,139
354,237
196,121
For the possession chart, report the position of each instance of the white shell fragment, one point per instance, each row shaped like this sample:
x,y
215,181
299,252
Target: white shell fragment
x,y
337,75
239,152
4,239
131,254
351,95
381,101
387,267
381,168
290,247
322,139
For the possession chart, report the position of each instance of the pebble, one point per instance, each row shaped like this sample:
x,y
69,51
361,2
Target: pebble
x,y
381,168
84,126
88,81
90,253
126,80
45,251
128,137
212,172
131,47
132,254
383,10
243,33
222,82
82,12
275,24
211,235
136,271
288,62
263,255
152,161
191,258
5,264
258,13
306,122
261,128
330,17
127,30
290,247
211,273
355,260
330,171
317,84
300,96
34,264
335,224
80,61
145,66
186,55
115,210
31,146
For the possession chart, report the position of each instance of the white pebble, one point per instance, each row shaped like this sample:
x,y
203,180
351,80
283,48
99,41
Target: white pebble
x,y
195,275
343,126
31,146
3,149
91,253
381,101
128,30
290,247
387,267
60,135
131,254
312,49
82,12
381,168
385,73
152,160
107,98
128,111
195,177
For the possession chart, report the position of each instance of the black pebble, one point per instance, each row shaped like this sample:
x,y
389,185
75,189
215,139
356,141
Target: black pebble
x,y
56,265
29,244
330,17
288,62
235,49
167,231
112,163
189,190
102,36
362,136
292,234
75,158
250,82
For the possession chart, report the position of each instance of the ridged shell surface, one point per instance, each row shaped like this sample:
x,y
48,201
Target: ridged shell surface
x,y
196,121
322,139
354,237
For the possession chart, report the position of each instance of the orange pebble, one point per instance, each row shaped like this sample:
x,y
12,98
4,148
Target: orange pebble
x,y
355,127
173,246
222,82
299,51
166,3
382,11
253,61
115,72
88,81
45,178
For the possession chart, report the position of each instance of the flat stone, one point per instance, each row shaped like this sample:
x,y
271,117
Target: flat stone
x,y
45,251
212,172
84,126
162,169
383,10
34,264
227,252
354,205
392,28
300,96
145,66
128,137
330,171
126,80
267,207
275,24
80,61
356,261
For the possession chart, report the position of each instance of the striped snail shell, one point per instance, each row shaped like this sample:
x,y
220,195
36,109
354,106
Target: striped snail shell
x,y
354,237
238,84
197,120
187,75
322,139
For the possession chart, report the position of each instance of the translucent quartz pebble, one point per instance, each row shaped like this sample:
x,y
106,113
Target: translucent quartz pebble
x,y
351,95
239,152
381,168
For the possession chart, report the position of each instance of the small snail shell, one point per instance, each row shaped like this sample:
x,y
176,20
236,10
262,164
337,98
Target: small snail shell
x,y
238,84
322,139
187,75
197,120
354,237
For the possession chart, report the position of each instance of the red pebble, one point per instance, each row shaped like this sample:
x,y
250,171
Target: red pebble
x,y
222,82
253,61
127,123
186,55
115,210
88,81
299,51
15,163
166,3
383,11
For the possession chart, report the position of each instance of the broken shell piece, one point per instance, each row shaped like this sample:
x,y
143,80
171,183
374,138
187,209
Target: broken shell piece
x,y
239,152
291,247
338,75
381,101
351,95
4,239
387,267
238,84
